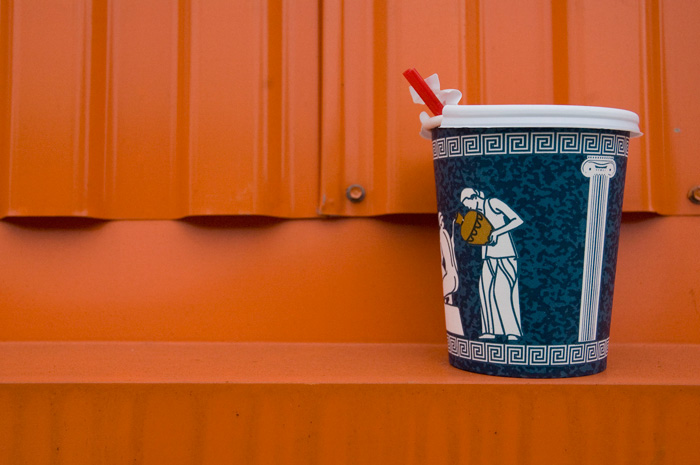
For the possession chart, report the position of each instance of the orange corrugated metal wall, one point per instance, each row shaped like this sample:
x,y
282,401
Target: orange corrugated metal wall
x,y
340,280
120,109
632,55
163,109
159,109
227,338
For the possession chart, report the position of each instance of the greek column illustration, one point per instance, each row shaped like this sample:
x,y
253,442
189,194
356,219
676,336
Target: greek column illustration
x,y
599,170
498,284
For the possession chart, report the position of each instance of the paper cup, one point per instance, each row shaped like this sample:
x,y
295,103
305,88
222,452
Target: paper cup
x,y
530,202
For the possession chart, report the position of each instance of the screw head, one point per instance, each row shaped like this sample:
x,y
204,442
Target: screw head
x,y
355,193
694,195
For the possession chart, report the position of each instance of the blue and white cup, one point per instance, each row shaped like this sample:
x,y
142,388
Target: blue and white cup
x,y
529,205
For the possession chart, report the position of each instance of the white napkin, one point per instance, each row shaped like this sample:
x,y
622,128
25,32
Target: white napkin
x,y
446,96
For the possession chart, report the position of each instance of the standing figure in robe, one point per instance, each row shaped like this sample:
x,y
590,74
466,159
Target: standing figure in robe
x,y
498,284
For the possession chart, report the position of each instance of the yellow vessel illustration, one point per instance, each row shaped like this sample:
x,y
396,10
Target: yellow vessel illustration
x,y
475,227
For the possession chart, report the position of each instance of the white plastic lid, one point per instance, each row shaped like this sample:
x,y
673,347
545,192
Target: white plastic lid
x,y
539,116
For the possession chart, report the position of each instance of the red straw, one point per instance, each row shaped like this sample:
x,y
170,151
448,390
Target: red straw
x,y
425,92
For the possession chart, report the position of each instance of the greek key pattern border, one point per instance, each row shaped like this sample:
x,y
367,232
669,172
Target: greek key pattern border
x,y
530,355
585,143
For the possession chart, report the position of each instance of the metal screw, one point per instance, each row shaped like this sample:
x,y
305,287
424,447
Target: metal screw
x,y
355,193
694,195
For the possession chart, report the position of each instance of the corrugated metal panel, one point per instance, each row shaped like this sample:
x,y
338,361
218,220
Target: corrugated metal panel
x,y
632,55
159,109
164,109
347,424
678,170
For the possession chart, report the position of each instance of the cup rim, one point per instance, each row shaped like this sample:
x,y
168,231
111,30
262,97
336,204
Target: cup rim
x,y
544,116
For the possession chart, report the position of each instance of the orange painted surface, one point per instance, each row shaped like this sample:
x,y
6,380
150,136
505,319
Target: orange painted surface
x,y
337,403
261,340
679,69
369,424
257,279
631,55
309,363
157,110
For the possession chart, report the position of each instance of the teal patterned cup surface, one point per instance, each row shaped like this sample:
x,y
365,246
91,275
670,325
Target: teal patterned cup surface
x,y
529,207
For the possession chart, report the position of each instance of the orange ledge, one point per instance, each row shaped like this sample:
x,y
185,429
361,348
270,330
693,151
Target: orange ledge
x,y
90,402
308,363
